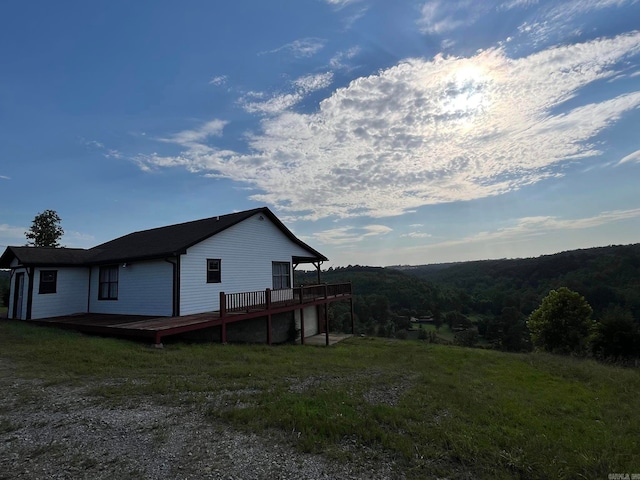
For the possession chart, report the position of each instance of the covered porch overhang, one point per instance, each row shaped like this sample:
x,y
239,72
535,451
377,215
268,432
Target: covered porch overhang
x,y
315,261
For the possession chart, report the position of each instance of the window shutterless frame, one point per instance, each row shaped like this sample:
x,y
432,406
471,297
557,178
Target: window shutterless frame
x,y
108,283
48,281
281,275
214,268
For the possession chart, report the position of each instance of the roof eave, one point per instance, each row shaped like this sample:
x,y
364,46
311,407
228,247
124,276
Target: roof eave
x,y
137,258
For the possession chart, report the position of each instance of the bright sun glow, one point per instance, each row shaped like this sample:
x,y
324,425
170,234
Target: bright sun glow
x,y
466,96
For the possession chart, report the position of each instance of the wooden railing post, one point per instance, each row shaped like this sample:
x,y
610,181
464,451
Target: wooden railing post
x,y
326,316
223,317
267,295
302,314
353,321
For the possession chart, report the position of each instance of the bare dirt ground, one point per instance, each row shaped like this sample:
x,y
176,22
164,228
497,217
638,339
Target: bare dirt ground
x,y
62,432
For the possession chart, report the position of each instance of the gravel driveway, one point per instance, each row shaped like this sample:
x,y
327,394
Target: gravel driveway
x,y
61,432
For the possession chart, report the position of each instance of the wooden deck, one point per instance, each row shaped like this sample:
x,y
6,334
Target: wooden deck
x,y
236,307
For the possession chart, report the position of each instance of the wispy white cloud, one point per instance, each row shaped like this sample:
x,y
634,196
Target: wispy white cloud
x,y
94,143
416,235
341,3
511,4
632,157
435,18
193,137
106,152
350,235
259,102
273,105
113,153
76,239
301,48
340,59
311,83
543,225
218,80
559,20
440,16
427,132
522,237
4,177
12,235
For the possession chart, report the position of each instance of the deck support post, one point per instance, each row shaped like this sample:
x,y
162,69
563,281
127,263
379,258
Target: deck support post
x,y
267,296
223,318
326,316
353,321
301,316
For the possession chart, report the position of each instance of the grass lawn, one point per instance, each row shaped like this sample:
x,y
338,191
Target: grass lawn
x,y
438,411
444,332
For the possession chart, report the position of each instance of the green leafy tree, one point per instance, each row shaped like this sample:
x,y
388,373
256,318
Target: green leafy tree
x,y
562,323
508,331
4,295
466,338
617,336
45,230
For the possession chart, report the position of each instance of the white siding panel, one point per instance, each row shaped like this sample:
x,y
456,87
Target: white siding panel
x,y
246,250
144,288
70,297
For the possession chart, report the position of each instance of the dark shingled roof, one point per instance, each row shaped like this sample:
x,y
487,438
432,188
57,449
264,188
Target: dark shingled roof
x,y
148,244
45,256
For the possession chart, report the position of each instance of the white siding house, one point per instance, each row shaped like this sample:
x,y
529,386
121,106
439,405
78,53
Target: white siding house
x,y
168,271
246,252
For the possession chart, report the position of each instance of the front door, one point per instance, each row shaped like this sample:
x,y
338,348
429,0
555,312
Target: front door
x,y
18,295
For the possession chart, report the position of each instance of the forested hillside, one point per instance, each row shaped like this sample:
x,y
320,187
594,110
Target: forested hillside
x,y
606,276
490,299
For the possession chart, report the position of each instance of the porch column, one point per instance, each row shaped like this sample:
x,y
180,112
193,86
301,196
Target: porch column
x,y
267,295
353,321
223,318
326,316
301,315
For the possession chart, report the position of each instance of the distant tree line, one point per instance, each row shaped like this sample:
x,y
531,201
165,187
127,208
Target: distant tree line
x,y
493,303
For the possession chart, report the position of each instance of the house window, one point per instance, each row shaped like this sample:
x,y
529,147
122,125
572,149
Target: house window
x,y
213,270
281,275
48,281
108,287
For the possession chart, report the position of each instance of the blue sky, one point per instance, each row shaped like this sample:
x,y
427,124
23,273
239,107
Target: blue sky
x,y
380,132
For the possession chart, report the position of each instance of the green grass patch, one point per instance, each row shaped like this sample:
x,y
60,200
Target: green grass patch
x,y
444,332
437,411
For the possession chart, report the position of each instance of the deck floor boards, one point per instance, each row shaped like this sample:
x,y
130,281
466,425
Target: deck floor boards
x,y
151,327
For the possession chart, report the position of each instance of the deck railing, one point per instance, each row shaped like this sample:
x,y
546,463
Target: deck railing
x,y
266,299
